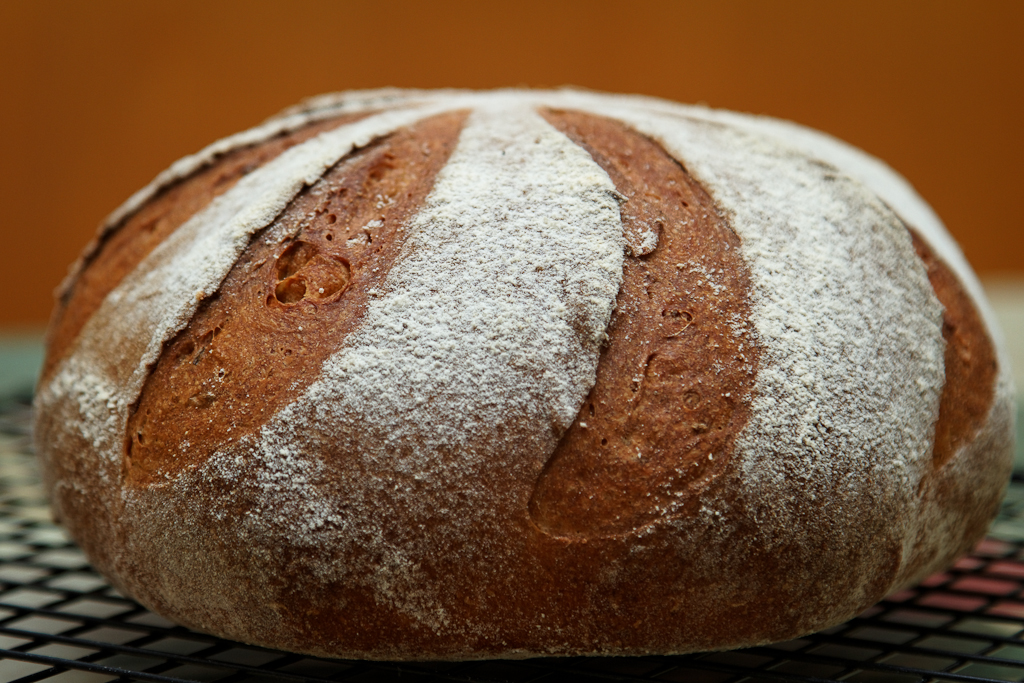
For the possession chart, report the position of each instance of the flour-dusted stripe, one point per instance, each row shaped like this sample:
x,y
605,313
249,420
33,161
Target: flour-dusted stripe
x,y
286,122
484,341
181,169
850,327
125,335
495,312
188,165
874,174
890,187
964,472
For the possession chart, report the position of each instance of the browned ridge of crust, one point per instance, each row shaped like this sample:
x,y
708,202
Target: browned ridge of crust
x,y
123,248
674,382
970,359
285,306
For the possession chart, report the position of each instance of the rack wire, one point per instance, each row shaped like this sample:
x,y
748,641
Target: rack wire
x,y
61,622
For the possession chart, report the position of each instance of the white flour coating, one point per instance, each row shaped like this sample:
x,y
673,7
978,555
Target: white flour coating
x,y
898,194
285,122
850,335
491,324
980,466
977,466
374,99
162,294
890,187
500,300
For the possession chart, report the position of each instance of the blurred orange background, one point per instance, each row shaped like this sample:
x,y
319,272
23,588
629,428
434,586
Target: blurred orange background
x,y
98,97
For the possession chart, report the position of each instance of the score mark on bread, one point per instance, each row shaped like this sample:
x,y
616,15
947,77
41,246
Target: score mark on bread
x,y
122,246
673,385
293,298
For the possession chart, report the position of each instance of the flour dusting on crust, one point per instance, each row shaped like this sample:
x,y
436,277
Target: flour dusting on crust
x,y
285,122
472,359
849,325
890,187
124,337
485,341
980,466
500,301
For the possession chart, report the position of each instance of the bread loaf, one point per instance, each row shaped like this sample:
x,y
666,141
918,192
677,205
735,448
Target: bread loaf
x,y
450,375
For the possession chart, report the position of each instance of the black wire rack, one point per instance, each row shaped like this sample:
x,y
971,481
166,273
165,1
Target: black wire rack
x,y
60,621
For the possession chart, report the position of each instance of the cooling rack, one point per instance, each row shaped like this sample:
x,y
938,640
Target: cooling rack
x,y
61,622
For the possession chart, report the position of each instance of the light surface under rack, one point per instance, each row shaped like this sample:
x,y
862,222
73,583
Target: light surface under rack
x,y
61,621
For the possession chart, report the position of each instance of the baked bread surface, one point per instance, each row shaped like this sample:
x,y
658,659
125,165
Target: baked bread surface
x,y
439,375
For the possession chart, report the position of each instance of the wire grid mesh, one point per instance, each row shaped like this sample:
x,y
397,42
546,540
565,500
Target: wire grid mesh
x,y
61,621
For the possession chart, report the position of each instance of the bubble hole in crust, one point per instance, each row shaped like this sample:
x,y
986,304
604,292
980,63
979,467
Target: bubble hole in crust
x,y
302,271
124,247
292,298
675,378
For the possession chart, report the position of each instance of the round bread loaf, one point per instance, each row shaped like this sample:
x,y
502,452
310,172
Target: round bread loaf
x,y
442,375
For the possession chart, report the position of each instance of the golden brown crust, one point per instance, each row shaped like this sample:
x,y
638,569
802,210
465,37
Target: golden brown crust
x,y
286,306
123,248
674,382
970,360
